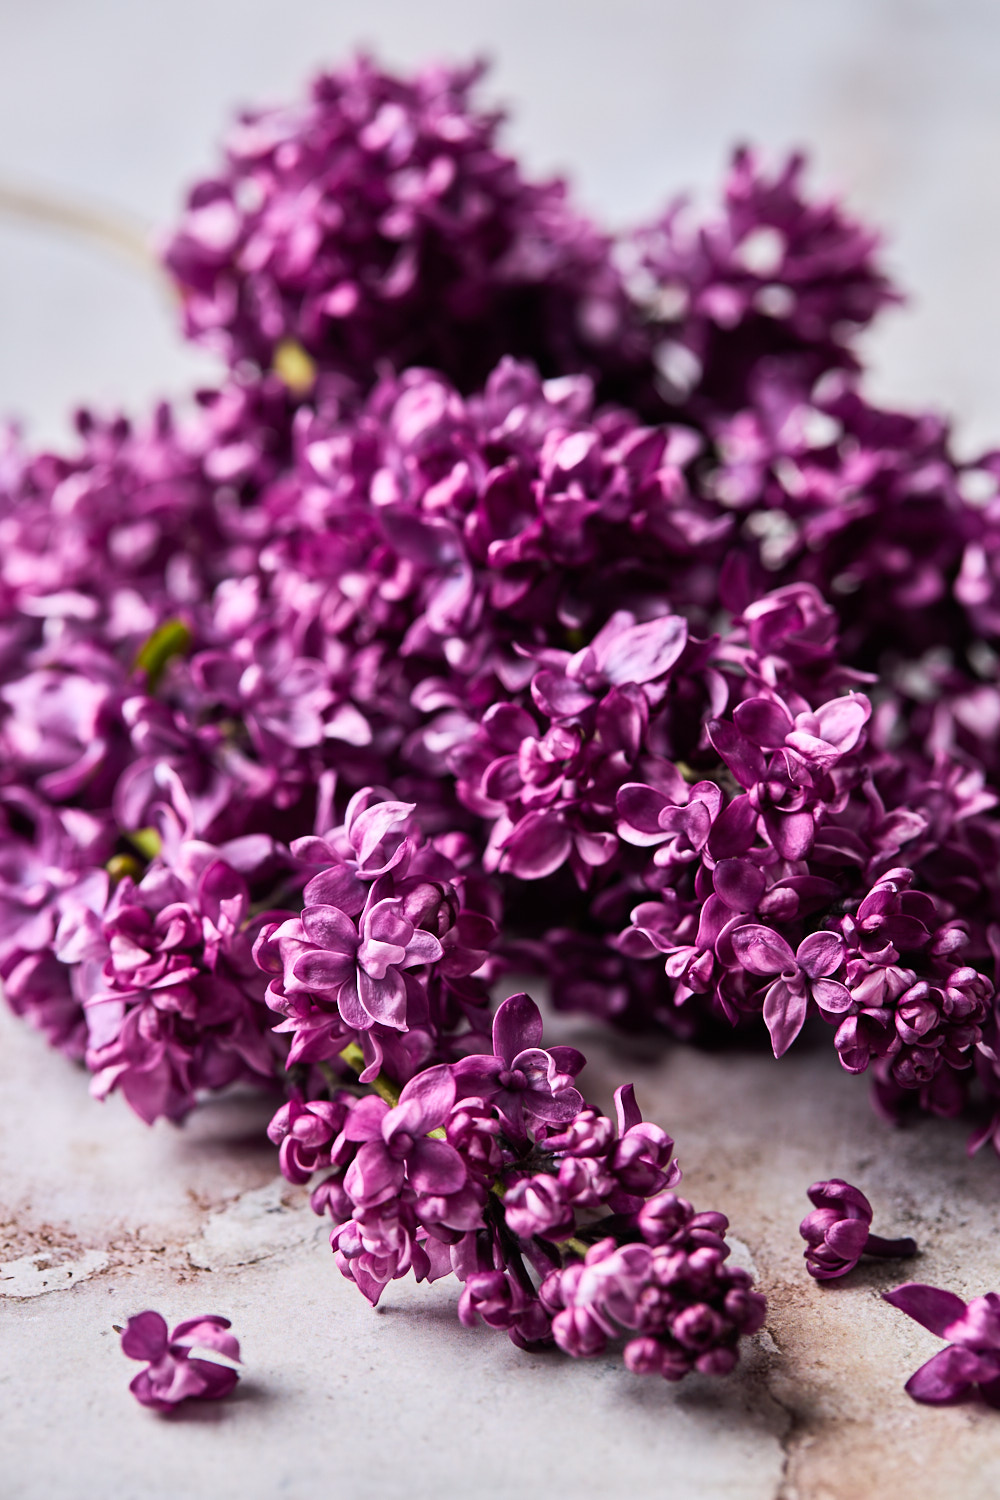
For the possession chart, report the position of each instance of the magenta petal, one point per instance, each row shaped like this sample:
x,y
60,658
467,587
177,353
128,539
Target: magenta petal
x,y
793,834
423,948
835,1195
639,808
216,1380
435,1167
745,760
145,1336
763,721
784,1015
364,1123
370,827
842,720
566,1060
349,1004
536,846
738,883
848,1237
762,951
929,1305
641,653
142,1389
424,1102
559,697
734,830
475,1075
946,1377
319,969
384,999
832,996
821,954
626,1108
328,927
516,1026
207,1333
373,1175
338,886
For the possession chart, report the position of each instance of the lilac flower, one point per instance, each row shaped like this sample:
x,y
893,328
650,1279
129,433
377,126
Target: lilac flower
x,y
304,1132
641,1158
539,1205
685,1306
523,1081
165,974
972,1359
501,1302
837,1232
172,1375
395,1145
360,967
804,974
773,277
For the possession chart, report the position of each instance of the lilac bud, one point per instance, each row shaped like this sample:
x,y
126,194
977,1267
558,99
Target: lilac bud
x,y
537,1205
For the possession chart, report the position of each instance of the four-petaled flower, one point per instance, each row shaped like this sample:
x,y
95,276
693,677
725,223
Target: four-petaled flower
x,y
524,1082
171,1374
395,1145
362,967
802,974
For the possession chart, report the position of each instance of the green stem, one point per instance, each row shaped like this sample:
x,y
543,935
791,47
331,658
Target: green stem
x,y
353,1056
173,638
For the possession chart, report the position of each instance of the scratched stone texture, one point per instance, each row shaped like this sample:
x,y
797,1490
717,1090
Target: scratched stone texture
x,y
113,106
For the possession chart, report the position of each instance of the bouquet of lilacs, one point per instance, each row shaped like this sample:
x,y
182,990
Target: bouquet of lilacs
x,y
524,600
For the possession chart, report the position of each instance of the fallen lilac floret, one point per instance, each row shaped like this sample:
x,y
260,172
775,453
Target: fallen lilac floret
x,y
173,1374
837,1232
972,1360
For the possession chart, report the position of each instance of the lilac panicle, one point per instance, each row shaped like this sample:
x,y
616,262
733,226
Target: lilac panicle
x,y
172,1374
492,1168
402,659
837,1232
376,221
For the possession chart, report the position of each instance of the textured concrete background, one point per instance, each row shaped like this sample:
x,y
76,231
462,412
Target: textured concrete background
x,y
115,105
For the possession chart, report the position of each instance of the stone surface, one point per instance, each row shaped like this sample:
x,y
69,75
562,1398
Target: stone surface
x,y
112,106
118,1217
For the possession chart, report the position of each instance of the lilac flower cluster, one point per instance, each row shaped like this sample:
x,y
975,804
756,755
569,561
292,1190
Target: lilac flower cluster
x,y
377,221
389,953
559,1227
522,598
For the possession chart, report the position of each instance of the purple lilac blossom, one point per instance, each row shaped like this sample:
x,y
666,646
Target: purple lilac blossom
x,y
172,999
971,1361
837,1232
772,281
710,707
376,220
172,1374
493,1169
